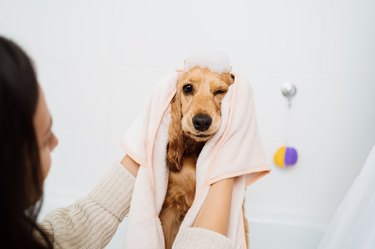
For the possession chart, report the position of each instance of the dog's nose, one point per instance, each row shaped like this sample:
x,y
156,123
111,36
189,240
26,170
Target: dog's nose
x,y
202,122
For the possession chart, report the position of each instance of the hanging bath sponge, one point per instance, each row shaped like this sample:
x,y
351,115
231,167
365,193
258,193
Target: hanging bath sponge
x,y
285,156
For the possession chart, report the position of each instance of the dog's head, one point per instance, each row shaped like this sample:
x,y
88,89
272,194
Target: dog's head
x,y
196,109
199,93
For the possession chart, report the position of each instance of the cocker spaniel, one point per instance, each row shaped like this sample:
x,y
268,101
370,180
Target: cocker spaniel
x,y
195,118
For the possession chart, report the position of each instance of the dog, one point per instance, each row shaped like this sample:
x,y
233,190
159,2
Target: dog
x,y
195,118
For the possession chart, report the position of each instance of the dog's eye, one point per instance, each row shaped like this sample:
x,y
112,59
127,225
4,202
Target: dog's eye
x,y
188,88
219,92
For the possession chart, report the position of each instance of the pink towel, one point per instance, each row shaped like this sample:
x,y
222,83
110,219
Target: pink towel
x,y
234,151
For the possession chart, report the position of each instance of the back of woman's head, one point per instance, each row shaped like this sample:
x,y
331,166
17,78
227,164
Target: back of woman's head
x,y
20,178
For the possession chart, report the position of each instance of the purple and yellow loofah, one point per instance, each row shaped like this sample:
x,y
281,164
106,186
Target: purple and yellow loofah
x,y
285,156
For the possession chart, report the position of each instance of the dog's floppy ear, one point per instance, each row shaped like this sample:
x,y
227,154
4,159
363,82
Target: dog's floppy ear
x,y
175,145
228,78
232,77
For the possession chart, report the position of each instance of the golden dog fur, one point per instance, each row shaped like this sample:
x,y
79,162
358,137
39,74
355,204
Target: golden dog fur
x,y
199,92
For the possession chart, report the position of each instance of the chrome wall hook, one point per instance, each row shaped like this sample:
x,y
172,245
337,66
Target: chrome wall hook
x,y
289,90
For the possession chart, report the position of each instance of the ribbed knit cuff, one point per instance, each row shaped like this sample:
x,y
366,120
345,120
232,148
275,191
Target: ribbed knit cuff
x,y
115,190
200,238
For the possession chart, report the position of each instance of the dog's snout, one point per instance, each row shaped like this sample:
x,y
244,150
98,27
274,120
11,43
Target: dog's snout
x,y
202,122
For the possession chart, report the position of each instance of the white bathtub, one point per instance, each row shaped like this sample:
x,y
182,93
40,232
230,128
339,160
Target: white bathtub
x,y
264,234
276,233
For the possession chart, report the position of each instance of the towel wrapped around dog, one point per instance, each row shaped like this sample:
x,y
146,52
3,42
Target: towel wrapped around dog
x,y
234,151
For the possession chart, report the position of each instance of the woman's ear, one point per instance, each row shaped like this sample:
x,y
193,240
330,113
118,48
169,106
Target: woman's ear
x,y
175,145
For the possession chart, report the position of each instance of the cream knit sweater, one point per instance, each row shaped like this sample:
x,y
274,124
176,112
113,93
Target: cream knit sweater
x,y
92,221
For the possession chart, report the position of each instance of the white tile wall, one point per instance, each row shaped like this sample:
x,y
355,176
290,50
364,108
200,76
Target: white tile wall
x,y
97,61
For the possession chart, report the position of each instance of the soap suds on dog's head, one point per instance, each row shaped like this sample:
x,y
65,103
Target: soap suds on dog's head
x,y
216,61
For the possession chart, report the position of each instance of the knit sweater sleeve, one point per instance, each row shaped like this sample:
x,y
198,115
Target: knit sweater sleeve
x,y
92,221
200,238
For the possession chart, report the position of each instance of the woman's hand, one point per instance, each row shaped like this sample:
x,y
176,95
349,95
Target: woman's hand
x,y
214,214
131,165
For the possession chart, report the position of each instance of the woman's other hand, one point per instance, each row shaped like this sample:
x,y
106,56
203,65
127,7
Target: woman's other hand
x,y
131,165
214,214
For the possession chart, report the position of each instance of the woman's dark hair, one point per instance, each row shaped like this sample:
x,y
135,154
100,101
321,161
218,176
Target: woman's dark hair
x,y
20,177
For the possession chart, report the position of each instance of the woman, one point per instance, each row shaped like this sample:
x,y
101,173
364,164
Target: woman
x,y
26,142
